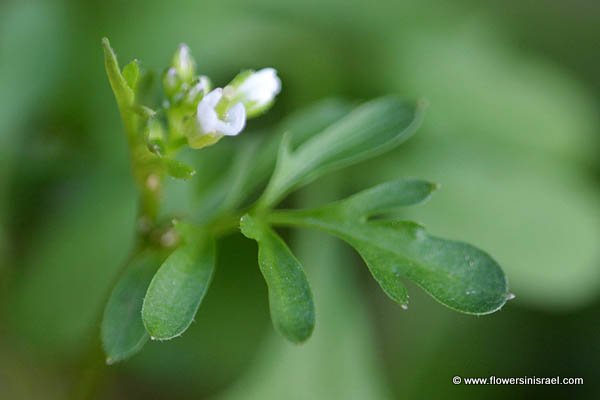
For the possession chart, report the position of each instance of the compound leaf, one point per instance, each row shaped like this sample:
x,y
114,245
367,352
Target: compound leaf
x,y
456,274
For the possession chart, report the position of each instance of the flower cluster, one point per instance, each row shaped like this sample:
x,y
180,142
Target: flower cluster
x,y
215,112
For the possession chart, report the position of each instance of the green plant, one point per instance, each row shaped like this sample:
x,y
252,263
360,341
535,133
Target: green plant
x,y
170,269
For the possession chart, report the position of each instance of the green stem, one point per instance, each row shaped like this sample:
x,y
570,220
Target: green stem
x,y
226,224
298,218
145,169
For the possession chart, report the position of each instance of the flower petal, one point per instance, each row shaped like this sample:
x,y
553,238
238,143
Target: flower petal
x,y
206,114
261,87
235,120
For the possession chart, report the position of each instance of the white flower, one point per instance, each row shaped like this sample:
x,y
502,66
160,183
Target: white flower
x,y
256,90
208,119
223,112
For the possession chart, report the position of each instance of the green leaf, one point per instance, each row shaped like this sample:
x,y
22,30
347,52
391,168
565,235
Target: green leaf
x,y
123,92
525,192
144,90
178,170
256,158
131,74
369,130
290,298
179,286
456,274
311,120
123,333
386,197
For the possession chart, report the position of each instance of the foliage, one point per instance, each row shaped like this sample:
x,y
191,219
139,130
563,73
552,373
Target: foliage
x,y
323,139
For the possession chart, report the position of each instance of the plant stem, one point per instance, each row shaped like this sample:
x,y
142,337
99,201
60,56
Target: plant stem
x,y
146,170
298,218
225,224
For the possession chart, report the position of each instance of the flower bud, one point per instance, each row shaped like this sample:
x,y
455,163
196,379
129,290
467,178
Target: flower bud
x,y
197,91
184,63
155,136
256,90
171,82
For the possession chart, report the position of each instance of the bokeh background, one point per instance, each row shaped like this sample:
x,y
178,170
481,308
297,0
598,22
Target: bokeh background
x,y
512,134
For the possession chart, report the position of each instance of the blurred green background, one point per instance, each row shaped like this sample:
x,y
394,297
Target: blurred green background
x,y
512,134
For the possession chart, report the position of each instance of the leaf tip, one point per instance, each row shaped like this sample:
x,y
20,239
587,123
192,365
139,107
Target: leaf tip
x,y
298,337
300,341
108,50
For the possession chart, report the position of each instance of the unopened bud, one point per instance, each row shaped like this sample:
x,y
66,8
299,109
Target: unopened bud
x,y
155,136
184,63
256,90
